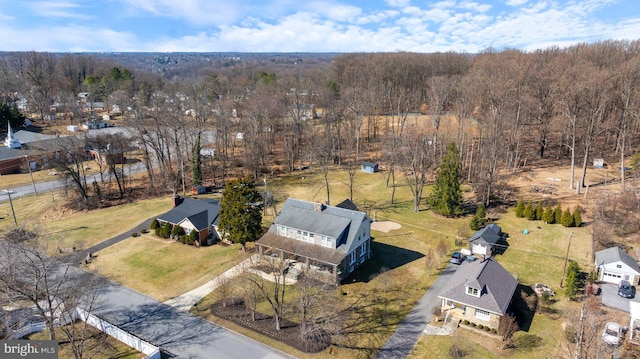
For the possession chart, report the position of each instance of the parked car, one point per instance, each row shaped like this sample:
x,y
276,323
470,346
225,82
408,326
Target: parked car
x,y
612,333
626,290
457,258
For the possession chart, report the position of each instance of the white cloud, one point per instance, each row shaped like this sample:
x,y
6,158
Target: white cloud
x,y
516,2
57,9
397,3
337,12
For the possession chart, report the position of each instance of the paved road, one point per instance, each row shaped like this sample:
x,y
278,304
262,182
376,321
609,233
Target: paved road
x,y
181,334
611,299
409,331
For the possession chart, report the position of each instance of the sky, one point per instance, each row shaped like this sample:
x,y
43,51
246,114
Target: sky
x,y
311,25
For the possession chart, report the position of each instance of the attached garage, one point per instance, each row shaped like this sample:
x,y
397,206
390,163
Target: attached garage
x,y
614,264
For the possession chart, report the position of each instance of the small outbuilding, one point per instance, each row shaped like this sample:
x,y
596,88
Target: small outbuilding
x,y
369,167
614,264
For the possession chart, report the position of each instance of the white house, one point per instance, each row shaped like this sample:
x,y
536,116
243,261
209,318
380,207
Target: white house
x,y
613,265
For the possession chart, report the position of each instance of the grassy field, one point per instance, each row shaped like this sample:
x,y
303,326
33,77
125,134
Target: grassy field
x,y
161,268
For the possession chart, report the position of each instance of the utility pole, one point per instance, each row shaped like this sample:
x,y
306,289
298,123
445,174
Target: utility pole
x,y
264,199
31,174
566,258
9,192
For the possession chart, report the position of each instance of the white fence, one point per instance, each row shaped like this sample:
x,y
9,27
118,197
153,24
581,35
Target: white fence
x,y
152,351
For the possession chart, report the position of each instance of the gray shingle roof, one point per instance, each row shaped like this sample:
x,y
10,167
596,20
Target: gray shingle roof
x,y
490,234
307,250
331,221
25,136
200,212
616,254
7,153
495,283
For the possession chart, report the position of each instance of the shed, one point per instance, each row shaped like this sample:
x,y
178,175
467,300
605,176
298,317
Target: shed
x,y
614,264
369,167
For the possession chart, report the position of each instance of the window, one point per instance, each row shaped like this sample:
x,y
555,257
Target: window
x,y
352,257
298,234
482,314
472,291
311,237
618,265
283,231
325,241
363,249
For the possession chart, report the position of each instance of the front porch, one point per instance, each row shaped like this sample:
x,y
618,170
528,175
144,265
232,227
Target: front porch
x,y
473,315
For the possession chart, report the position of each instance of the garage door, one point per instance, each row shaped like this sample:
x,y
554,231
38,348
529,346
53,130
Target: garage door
x,y
612,277
479,249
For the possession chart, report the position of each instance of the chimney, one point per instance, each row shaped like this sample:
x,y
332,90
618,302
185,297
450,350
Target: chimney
x,y
318,207
176,200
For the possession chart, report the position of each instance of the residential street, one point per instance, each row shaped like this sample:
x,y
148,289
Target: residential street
x,y
406,336
180,333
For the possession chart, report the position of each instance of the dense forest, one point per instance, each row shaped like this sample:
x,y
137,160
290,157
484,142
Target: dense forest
x,y
269,113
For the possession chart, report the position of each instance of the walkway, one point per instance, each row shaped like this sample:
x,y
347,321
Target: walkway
x,y
408,332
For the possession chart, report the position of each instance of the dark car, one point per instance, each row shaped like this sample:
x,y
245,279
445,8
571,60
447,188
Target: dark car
x,y
626,290
457,258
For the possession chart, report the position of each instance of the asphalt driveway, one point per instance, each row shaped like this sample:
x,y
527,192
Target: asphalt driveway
x,y
406,335
611,299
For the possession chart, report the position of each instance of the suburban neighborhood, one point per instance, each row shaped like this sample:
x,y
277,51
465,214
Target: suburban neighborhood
x,y
220,217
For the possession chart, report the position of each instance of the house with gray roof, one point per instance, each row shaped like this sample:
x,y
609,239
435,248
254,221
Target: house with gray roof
x,y
480,292
614,264
333,240
201,215
484,241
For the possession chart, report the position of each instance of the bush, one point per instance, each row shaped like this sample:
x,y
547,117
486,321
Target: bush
x,y
480,326
493,331
539,211
567,218
520,209
486,329
529,212
557,214
177,231
577,217
473,324
154,224
548,215
527,341
144,230
465,322
135,234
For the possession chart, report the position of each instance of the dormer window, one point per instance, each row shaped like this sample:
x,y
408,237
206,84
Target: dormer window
x,y
473,291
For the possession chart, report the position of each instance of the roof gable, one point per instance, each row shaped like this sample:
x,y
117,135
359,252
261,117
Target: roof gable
x,y
616,254
200,212
490,234
495,284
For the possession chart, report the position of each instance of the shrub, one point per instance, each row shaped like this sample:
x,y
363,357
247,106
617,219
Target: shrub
x,y
548,216
154,224
166,230
193,237
473,324
158,231
135,234
480,326
465,322
539,211
486,329
493,331
577,217
527,341
529,212
177,231
557,214
144,230
567,218
520,209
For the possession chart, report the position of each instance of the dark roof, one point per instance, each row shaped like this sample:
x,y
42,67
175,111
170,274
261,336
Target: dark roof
x,y
330,221
495,284
56,144
616,254
307,250
7,153
25,136
490,234
369,164
200,212
347,204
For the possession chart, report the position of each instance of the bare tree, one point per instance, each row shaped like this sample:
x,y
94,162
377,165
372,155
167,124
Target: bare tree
x,y
272,289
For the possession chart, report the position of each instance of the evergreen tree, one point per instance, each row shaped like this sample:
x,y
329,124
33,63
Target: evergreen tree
x,y
479,219
548,215
154,224
446,198
577,217
529,212
241,212
10,114
539,211
567,218
557,214
520,209
196,166
572,279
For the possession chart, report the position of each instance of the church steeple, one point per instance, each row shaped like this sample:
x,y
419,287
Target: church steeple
x,y
11,141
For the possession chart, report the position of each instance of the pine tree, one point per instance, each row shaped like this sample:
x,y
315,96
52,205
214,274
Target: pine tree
x,y
577,217
520,209
446,198
539,211
548,215
557,214
479,219
529,212
567,218
572,280
196,165
241,212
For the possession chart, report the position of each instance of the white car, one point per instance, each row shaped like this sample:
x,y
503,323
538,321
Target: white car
x,y
612,333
